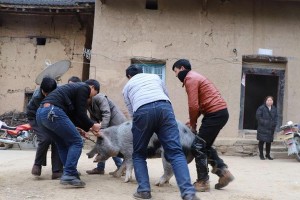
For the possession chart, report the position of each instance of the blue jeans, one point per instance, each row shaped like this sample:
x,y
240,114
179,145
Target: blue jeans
x,y
159,117
118,161
64,133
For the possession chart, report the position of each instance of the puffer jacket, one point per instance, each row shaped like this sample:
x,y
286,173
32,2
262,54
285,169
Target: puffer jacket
x,y
266,123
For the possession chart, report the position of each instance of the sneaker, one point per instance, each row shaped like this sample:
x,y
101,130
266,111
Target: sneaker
x,y
202,186
190,197
71,180
56,175
36,170
225,178
142,195
95,171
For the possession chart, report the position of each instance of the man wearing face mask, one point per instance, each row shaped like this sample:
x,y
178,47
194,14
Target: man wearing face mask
x,y
205,99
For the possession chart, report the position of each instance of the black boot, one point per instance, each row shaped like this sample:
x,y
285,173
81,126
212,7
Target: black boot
x,y
268,150
269,157
199,152
262,157
261,149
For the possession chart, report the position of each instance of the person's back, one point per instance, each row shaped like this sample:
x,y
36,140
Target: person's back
x,y
143,89
72,98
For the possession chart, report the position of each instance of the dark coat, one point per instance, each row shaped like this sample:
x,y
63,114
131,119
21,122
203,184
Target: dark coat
x,y
266,123
72,98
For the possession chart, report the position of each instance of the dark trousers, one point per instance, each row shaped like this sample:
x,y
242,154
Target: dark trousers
x,y
261,148
44,141
203,151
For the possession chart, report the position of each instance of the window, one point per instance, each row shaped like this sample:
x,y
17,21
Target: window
x,y
151,4
152,67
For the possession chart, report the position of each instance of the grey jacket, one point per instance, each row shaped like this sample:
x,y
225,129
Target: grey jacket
x,y
105,111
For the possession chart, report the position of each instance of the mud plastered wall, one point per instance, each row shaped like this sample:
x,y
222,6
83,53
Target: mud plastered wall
x,y
22,59
124,29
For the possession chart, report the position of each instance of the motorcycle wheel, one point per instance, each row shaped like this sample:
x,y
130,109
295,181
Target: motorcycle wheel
x,y
4,146
297,142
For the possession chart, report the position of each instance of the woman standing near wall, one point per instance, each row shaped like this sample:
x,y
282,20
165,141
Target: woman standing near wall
x,y
266,116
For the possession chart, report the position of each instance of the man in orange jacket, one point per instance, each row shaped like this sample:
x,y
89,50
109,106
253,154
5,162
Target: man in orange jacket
x,y
205,99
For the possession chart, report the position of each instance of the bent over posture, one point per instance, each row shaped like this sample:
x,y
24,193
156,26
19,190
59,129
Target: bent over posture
x,y
205,99
60,113
147,101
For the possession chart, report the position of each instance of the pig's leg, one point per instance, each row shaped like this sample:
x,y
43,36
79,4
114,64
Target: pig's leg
x,y
168,172
129,167
120,171
92,153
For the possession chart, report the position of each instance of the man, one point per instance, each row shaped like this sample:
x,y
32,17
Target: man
x,y
103,110
60,113
205,99
148,103
74,79
44,141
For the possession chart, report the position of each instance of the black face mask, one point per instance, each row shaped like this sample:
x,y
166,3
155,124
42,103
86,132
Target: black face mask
x,y
182,74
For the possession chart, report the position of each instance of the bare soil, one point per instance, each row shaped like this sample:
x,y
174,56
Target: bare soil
x,y
278,179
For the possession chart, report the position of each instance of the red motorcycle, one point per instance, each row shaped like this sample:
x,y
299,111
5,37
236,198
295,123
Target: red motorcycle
x,y
15,135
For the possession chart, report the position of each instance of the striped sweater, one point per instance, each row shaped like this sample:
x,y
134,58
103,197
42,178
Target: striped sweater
x,y
142,89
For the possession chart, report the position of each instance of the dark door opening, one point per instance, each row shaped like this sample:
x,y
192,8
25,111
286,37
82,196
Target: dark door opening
x,y
257,87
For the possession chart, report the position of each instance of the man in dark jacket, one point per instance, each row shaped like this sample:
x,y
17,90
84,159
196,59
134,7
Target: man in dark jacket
x,y
44,141
204,99
60,113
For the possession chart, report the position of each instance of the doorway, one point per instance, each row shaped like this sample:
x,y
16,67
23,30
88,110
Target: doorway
x,y
257,83
258,87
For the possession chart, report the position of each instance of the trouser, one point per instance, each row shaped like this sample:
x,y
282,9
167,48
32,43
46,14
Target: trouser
x,y
261,148
118,162
202,148
159,117
44,141
65,135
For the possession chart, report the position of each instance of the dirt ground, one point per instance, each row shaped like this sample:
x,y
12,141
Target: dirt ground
x,y
255,180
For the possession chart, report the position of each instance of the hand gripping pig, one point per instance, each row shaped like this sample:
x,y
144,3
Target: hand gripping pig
x,y
117,141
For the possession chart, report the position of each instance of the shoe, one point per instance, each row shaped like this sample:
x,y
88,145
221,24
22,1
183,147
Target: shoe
x,y
190,197
71,180
142,195
95,171
269,157
36,170
225,178
56,175
202,186
262,157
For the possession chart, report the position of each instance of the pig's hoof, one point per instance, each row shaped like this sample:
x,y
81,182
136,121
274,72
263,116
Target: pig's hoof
x,y
89,155
161,183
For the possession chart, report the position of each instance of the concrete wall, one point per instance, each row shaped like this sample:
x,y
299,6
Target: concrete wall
x,y
21,60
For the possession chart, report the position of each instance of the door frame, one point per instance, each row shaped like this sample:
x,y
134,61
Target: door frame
x,y
253,66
